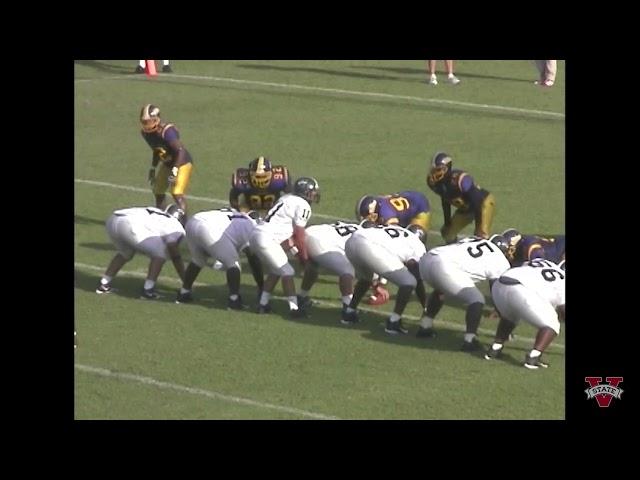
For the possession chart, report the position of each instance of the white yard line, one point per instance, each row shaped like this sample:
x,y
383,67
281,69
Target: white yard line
x,y
338,91
202,199
142,274
200,392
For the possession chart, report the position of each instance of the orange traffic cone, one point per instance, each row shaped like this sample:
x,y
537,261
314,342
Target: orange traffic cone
x,y
150,68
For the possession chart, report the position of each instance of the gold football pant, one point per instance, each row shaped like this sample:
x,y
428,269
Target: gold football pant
x,y
179,185
462,219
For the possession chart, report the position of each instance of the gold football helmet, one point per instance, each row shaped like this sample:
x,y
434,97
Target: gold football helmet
x,y
150,118
260,172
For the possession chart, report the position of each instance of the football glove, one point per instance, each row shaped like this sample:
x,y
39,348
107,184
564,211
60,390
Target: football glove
x,y
173,176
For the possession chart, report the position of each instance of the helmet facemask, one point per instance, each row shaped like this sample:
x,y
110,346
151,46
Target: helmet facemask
x,y
260,172
150,118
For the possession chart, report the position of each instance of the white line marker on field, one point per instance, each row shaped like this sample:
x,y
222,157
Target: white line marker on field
x,y
201,392
202,199
141,274
333,91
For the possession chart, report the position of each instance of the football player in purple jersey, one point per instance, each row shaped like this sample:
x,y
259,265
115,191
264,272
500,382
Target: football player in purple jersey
x,y
175,161
408,209
523,248
259,186
458,189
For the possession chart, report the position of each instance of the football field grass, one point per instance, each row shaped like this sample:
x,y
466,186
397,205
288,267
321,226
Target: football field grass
x,y
358,127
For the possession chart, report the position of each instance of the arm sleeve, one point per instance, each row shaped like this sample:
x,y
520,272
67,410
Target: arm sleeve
x,y
302,214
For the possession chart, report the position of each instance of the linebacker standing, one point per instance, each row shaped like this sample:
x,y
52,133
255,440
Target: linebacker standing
x,y
175,161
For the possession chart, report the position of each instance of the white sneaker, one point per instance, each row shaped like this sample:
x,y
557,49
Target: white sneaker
x,y
544,83
453,80
433,80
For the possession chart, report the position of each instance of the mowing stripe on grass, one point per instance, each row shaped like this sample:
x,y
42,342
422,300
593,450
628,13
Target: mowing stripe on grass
x,y
201,392
143,274
338,91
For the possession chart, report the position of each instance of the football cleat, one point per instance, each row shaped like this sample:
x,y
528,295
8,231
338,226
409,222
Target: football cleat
x,y
304,302
104,288
533,363
235,304
349,318
184,297
394,328
493,353
471,346
426,333
264,308
149,294
298,313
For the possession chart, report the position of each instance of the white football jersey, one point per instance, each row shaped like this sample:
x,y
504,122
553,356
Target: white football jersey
x,y
397,240
543,277
149,222
332,237
288,211
235,225
478,257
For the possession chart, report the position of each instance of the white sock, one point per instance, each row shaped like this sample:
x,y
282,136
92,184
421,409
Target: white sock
x,y
468,337
165,62
426,322
184,290
293,302
233,297
142,63
496,346
264,298
347,299
149,284
535,353
451,75
394,318
106,280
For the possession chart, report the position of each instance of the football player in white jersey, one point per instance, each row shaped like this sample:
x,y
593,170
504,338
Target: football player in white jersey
x,y
325,244
151,231
282,231
392,252
220,235
453,270
534,293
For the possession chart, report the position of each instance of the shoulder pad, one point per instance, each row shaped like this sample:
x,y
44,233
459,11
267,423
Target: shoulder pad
x,y
240,179
167,127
